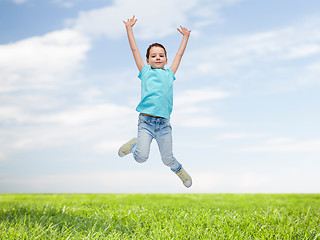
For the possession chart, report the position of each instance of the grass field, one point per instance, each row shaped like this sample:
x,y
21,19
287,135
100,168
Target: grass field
x,y
159,216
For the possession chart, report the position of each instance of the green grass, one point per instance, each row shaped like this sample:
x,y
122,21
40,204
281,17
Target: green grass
x,y
159,216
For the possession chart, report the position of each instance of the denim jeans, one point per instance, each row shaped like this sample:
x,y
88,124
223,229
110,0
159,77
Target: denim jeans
x,y
160,129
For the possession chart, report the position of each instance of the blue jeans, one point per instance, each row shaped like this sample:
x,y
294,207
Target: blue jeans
x,y
160,129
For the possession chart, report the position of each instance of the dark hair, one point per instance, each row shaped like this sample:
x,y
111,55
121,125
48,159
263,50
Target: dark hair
x,y
155,45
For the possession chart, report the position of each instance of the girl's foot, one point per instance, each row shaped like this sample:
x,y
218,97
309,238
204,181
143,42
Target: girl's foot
x,y
125,148
185,177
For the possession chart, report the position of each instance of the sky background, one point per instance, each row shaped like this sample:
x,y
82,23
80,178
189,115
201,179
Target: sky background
x,y
246,100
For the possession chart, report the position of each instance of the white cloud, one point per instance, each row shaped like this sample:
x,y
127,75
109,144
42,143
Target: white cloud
x,y
19,1
309,75
108,146
83,115
239,54
287,145
303,50
40,62
64,3
11,113
233,136
199,121
190,108
77,115
89,125
190,97
277,141
314,67
1,155
98,21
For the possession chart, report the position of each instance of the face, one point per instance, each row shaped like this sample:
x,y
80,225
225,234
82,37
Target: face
x,y
157,57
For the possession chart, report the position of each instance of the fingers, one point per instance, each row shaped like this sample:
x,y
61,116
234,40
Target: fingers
x,y
184,30
130,21
133,19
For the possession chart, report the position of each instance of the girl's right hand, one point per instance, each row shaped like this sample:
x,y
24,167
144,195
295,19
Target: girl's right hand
x,y
130,22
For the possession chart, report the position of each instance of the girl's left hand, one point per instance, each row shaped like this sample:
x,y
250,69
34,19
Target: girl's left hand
x,y
184,31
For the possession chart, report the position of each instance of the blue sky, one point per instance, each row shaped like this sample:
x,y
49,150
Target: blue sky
x,y
246,100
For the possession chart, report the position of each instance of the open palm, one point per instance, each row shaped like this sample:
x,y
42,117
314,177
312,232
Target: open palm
x,y
130,22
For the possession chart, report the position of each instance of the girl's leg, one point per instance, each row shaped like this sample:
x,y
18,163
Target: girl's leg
x,y
141,148
164,140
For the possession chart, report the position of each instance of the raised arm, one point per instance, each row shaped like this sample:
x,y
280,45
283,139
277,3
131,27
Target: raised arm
x,y
176,61
134,48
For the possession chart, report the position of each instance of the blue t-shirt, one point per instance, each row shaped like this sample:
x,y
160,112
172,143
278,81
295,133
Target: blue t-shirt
x,y
156,91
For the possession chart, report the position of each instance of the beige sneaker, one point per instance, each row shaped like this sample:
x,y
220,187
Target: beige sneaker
x,y
125,148
185,177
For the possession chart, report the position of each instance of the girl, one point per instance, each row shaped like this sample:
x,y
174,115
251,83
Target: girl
x,y
155,106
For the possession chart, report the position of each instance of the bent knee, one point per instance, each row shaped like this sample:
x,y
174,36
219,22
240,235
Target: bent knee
x,y
140,158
